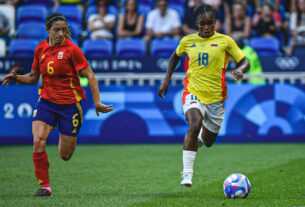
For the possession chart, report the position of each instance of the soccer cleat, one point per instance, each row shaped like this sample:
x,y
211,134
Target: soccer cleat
x,y
43,192
186,179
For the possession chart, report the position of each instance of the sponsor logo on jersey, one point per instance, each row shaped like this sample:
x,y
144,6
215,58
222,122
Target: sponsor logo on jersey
x,y
214,45
42,56
193,45
60,55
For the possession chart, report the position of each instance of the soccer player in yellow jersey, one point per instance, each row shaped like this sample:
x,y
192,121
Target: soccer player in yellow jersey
x,y
204,86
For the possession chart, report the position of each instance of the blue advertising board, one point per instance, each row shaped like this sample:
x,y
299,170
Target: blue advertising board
x,y
157,65
268,113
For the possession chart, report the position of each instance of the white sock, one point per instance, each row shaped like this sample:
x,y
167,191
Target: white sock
x,y
188,161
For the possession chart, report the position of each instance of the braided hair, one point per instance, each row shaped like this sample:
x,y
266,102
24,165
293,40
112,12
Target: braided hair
x,y
205,10
53,17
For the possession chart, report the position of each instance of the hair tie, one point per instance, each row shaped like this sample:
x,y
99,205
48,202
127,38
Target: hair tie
x,y
62,17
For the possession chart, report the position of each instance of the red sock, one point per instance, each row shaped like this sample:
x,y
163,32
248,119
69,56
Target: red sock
x,y
41,165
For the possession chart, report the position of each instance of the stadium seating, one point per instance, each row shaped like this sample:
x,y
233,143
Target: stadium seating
x,y
46,3
97,48
93,10
22,47
32,30
142,9
146,2
9,12
130,48
31,13
93,2
265,46
163,47
73,13
2,48
177,2
178,8
299,50
76,31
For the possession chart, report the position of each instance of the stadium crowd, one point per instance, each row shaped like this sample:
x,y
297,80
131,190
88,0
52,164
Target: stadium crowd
x,y
279,22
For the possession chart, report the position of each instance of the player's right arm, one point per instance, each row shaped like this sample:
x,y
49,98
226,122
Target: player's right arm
x,y
173,61
29,78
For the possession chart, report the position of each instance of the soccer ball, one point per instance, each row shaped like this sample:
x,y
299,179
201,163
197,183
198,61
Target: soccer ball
x,y
236,186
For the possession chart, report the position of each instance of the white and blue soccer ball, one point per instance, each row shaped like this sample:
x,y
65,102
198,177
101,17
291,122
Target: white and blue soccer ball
x,y
236,186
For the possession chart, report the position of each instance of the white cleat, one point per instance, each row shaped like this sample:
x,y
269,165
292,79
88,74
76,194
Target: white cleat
x,y
186,179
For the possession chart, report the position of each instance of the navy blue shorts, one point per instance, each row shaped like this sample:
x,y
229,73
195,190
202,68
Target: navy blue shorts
x,y
68,118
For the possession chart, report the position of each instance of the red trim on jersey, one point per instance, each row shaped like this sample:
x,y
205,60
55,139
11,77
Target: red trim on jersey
x,y
186,63
223,80
185,90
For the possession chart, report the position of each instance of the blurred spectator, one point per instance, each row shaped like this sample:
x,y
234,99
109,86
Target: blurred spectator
x,y
239,25
100,25
4,26
84,82
297,25
189,26
14,3
255,65
264,23
162,22
131,23
2,48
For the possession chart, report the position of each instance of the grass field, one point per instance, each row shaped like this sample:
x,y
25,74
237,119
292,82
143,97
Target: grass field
x,y
149,175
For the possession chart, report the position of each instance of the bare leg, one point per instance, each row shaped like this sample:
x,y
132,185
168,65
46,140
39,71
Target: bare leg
x,y
190,146
208,137
66,146
194,118
41,132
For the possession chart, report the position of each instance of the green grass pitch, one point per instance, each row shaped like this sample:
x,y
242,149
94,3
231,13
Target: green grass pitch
x,y
149,175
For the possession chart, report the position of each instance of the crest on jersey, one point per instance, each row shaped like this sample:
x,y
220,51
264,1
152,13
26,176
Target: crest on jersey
x,y
60,55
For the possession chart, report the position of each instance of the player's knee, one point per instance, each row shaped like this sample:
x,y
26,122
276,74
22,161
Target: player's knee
x,y
195,125
39,143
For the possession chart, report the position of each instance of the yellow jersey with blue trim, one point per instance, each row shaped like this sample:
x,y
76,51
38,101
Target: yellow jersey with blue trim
x,y
208,60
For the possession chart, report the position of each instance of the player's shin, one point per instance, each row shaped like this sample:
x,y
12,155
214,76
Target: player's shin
x,y
41,165
188,164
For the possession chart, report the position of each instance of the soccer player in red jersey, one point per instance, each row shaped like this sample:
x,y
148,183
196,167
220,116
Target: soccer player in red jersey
x,y
58,61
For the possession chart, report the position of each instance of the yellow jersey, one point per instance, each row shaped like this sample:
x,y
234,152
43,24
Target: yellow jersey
x,y
208,60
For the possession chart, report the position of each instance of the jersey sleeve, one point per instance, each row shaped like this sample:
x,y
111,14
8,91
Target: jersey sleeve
x,y
180,50
234,50
78,59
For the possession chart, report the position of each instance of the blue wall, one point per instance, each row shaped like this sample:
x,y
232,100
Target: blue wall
x,y
271,113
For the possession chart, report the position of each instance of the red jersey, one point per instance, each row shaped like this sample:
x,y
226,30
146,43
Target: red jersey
x,y
59,67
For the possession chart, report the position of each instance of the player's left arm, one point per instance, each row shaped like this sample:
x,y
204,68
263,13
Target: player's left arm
x,y
242,67
242,63
99,107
